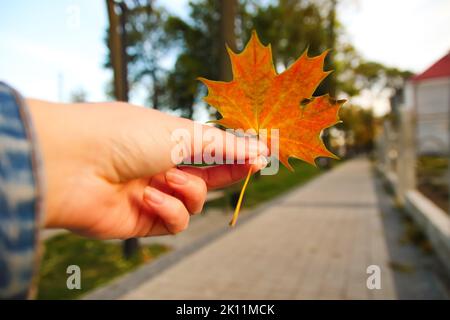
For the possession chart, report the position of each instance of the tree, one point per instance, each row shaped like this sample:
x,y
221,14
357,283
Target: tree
x,y
290,26
358,128
78,95
200,44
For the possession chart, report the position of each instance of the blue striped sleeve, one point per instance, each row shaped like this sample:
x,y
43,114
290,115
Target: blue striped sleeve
x,y
20,196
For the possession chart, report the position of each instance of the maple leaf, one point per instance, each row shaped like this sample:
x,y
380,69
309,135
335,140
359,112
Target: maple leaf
x,y
259,98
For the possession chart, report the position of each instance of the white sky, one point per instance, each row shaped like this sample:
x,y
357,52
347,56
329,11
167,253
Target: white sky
x,y
44,40
409,34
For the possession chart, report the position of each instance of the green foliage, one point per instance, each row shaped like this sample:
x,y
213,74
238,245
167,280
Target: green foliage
x,y
146,46
358,127
432,179
78,95
290,26
199,53
373,73
99,261
270,186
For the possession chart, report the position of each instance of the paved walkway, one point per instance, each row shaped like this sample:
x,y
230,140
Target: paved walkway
x,y
314,243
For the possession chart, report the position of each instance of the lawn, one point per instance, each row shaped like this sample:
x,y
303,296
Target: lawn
x,y
99,261
264,188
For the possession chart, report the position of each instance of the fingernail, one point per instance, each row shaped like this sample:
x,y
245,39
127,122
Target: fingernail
x,y
261,162
256,148
176,177
253,149
154,196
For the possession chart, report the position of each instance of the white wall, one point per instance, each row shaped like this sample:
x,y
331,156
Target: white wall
x,y
432,104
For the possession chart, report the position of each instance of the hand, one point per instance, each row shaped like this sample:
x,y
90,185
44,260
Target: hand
x,y
109,172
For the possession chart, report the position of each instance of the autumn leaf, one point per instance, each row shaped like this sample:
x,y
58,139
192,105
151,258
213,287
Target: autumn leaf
x,y
259,98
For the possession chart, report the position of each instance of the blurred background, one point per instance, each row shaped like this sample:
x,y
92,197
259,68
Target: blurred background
x,y
391,61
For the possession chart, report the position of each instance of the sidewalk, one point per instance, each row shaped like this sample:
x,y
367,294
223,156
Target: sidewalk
x,y
314,243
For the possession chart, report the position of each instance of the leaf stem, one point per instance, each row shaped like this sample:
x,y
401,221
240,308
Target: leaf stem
x,y
241,196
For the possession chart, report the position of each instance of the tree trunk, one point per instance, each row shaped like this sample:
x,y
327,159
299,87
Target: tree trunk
x,y
227,36
330,81
117,45
117,52
331,43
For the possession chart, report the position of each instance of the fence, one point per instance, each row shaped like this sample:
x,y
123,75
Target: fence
x,y
397,162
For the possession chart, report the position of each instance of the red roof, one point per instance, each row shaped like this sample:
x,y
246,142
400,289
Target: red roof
x,y
441,69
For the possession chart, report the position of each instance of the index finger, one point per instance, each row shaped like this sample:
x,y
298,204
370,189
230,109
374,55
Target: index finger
x,y
223,175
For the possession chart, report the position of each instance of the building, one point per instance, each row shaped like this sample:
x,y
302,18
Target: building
x,y
428,93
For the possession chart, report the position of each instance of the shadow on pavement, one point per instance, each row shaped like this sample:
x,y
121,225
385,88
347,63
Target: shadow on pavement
x,y
418,274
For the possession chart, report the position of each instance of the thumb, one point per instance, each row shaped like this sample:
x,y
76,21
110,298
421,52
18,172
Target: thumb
x,y
160,141
195,143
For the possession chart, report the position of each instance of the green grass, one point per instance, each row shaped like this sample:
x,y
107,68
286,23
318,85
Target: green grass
x,y
433,164
432,174
99,261
413,234
264,188
401,267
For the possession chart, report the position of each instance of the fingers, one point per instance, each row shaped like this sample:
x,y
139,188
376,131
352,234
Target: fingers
x,y
221,145
223,175
191,188
170,210
207,143
172,196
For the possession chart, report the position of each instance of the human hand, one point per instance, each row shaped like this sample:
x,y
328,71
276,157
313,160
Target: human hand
x,y
109,172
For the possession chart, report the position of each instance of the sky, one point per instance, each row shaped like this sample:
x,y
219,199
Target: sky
x,y
50,48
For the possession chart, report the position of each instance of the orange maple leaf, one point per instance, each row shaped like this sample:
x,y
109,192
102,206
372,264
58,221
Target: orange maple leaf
x,y
260,98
